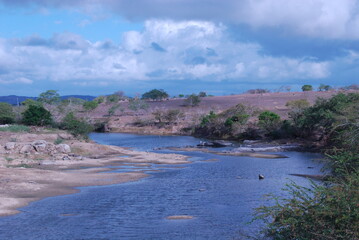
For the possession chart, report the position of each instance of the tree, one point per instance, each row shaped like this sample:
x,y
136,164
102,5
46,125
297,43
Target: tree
x,y
7,114
323,87
307,87
155,94
50,97
37,116
202,94
192,100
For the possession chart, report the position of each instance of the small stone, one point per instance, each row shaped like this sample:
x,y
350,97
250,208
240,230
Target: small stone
x,y
63,148
10,146
261,177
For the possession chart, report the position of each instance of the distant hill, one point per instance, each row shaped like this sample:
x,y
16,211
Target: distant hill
x,y
13,99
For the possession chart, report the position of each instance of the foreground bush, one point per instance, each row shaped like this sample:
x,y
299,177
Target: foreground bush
x,y
6,113
319,212
36,116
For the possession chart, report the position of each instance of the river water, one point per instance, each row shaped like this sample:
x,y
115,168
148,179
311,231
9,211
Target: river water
x,y
220,192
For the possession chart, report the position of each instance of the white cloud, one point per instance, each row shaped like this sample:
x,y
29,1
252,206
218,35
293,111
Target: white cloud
x,y
164,50
334,19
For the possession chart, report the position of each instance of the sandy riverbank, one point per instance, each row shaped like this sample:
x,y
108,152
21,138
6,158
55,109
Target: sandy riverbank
x,y
40,173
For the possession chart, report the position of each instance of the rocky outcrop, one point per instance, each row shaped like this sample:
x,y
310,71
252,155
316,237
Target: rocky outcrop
x,y
37,147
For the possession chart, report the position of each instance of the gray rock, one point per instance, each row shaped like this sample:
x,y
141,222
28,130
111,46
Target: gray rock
x,y
28,148
39,145
63,148
10,146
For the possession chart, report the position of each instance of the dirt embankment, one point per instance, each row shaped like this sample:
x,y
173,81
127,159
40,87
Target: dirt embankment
x,y
32,166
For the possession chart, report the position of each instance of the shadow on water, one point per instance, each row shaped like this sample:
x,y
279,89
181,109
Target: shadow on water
x,y
220,195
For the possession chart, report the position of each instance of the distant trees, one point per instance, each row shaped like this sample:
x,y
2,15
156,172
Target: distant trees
x,y
306,88
7,114
192,100
202,94
258,90
324,87
155,94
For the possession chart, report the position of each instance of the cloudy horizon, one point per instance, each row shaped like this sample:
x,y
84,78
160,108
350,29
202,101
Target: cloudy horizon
x,y
221,47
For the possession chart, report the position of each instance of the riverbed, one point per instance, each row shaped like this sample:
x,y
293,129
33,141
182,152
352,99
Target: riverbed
x,y
219,192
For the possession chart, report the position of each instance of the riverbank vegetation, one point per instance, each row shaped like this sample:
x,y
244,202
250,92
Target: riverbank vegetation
x,y
329,210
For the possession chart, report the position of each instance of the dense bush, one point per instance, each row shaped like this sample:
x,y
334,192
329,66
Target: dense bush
x,y
76,126
37,116
258,90
319,212
228,124
7,114
90,105
269,121
330,210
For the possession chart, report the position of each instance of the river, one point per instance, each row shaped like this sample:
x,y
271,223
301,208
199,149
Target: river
x,y
220,192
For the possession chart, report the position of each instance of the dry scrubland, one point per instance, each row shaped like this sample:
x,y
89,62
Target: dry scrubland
x,y
123,120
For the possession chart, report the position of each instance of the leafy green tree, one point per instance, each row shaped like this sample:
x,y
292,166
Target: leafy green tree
x,y
181,95
307,87
7,114
100,99
49,97
155,94
192,100
36,116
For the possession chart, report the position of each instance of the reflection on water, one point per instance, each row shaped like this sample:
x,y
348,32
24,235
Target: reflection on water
x,y
219,194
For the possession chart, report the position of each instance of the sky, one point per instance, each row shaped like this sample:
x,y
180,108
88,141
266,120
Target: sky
x,y
97,47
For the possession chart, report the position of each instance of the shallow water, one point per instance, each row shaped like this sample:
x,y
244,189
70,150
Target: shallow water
x,y
219,194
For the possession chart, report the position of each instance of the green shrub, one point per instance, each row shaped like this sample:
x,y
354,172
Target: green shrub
x,y
76,126
208,118
7,114
36,116
269,121
90,105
